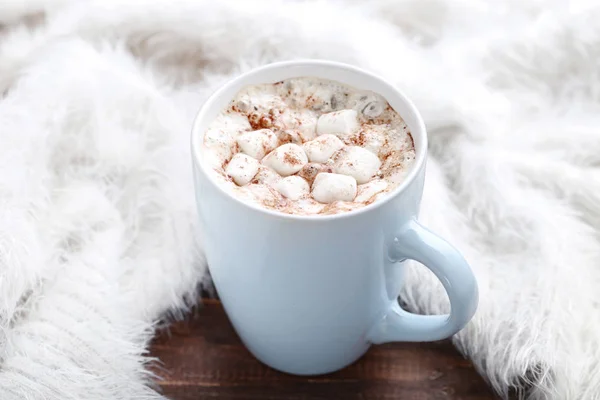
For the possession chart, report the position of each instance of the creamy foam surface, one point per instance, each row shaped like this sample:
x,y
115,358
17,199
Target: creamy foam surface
x,y
308,146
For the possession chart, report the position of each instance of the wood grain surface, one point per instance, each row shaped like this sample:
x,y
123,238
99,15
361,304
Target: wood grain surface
x,y
203,358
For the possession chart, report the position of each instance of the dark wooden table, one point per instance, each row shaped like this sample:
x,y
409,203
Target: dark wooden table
x,y
202,358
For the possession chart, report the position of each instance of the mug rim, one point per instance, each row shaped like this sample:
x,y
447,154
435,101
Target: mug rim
x,y
420,159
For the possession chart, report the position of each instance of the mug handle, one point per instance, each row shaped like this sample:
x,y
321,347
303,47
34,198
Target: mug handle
x,y
415,242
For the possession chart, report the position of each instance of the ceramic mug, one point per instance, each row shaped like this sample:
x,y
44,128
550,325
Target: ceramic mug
x,y
309,294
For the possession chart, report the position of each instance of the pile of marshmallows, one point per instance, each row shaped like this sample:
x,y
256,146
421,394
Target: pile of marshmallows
x,y
351,165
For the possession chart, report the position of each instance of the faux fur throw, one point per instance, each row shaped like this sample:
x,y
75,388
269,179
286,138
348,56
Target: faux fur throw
x,y
97,210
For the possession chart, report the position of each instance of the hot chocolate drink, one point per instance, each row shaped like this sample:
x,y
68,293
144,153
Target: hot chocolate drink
x,y
308,146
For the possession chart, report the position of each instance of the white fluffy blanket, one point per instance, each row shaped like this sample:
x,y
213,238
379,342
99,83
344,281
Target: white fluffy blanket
x,y
97,207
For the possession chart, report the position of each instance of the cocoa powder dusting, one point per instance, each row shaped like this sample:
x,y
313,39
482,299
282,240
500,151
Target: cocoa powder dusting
x,y
265,122
259,121
292,159
361,140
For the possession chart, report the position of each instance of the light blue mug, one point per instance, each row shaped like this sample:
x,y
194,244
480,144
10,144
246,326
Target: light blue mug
x,y
309,294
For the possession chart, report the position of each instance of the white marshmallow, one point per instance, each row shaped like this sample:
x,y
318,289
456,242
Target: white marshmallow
x,y
233,122
368,190
244,103
219,145
257,143
328,188
293,187
322,148
287,159
307,125
302,122
242,168
356,162
266,176
340,123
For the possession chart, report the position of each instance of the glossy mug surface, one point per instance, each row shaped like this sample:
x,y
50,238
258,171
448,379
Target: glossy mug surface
x,y
309,294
